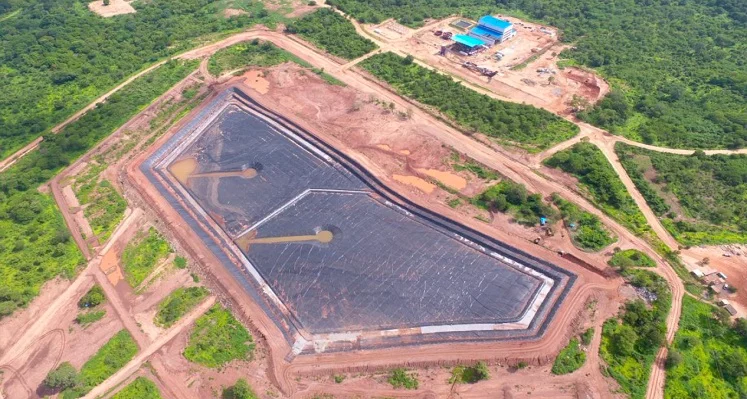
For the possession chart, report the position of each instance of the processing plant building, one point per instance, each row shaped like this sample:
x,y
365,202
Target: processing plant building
x,y
492,30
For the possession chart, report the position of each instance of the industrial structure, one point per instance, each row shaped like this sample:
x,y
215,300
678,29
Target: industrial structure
x,y
492,30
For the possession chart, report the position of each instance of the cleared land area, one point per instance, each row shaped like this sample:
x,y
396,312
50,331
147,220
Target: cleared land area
x,y
520,125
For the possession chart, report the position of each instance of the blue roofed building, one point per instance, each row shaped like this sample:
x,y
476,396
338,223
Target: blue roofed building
x,y
492,30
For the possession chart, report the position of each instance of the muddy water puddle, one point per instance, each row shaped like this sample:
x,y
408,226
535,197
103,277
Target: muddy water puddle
x,y
257,81
184,169
386,147
416,182
248,239
450,179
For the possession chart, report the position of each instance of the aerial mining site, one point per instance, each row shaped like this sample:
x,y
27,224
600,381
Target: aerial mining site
x,y
368,199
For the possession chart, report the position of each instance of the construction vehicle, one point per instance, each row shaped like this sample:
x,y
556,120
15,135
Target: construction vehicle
x,y
446,35
481,70
438,33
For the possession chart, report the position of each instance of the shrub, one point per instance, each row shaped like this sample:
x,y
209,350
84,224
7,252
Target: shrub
x,y
94,297
63,377
587,336
570,359
400,378
141,388
240,390
87,318
180,262
469,375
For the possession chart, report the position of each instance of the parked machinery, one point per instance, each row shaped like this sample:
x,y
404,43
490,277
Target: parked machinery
x,y
481,70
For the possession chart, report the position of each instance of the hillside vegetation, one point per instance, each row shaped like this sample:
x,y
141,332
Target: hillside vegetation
x,y
677,67
35,245
630,341
56,56
709,356
701,199
332,32
517,124
587,163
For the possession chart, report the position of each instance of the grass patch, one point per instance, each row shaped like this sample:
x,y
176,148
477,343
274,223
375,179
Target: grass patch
x,y
90,317
712,355
401,378
602,185
333,33
514,124
587,231
111,357
102,205
177,304
141,256
570,359
469,375
217,339
631,258
141,388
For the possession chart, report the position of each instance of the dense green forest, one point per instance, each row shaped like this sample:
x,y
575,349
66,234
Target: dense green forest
x,y
678,68
708,358
630,341
57,56
587,163
332,32
701,199
518,124
35,245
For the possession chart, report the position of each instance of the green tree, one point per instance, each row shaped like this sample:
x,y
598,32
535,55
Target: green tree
x,y
624,340
674,358
240,390
63,377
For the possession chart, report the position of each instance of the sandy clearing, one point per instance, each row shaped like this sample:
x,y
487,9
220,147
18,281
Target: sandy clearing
x,y
115,7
